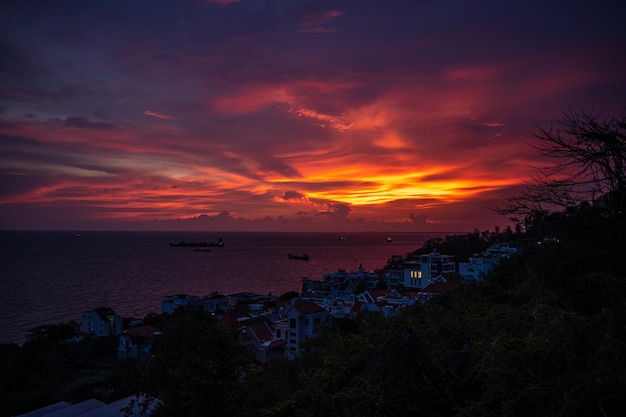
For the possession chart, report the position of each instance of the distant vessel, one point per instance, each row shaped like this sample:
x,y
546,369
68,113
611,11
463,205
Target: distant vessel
x,y
303,257
184,244
389,240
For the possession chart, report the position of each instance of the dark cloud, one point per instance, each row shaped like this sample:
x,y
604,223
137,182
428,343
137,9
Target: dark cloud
x,y
292,195
420,220
336,210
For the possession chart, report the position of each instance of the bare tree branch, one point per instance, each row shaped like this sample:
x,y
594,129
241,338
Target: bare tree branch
x,y
588,155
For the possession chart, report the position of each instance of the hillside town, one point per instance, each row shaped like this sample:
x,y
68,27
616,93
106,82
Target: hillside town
x,y
271,327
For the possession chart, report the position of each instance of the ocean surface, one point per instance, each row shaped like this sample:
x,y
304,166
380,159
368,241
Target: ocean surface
x,y
52,277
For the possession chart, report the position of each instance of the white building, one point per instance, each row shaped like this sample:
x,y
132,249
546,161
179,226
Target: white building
x,y
481,264
302,317
423,271
101,322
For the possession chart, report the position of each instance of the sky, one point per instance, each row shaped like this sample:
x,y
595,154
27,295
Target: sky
x,y
297,115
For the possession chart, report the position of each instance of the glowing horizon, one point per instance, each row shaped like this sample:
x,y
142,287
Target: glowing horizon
x,y
346,116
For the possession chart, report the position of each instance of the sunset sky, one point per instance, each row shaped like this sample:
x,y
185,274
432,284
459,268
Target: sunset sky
x,y
351,115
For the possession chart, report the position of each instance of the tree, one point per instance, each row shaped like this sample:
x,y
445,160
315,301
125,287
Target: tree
x,y
196,368
587,152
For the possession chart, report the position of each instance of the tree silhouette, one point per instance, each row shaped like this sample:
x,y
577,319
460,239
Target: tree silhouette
x,y
587,155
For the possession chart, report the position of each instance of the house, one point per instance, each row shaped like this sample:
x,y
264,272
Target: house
x,y
360,279
170,303
302,318
439,286
101,322
481,264
135,343
329,289
478,267
421,272
339,285
391,297
258,336
394,276
213,303
338,308
233,316
386,301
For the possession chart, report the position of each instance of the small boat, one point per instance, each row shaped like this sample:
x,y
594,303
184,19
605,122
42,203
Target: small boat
x,y
303,257
389,240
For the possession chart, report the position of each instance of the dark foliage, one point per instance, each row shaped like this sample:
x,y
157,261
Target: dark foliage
x,y
544,334
48,369
196,368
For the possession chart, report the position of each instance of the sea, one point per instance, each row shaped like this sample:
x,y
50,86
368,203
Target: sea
x,y
52,277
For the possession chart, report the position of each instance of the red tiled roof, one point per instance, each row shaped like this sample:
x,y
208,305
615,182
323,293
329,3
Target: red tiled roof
x,y
261,332
229,318
142,331
307,307
254,321
277,343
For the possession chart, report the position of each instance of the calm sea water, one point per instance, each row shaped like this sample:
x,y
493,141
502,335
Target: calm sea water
x,y
52,277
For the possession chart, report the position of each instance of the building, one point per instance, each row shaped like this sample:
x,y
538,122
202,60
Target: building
x,y
101,322
211,303
481,264
302,318
439,286
340,284
394,276
215,303
419,273
327,290
259,338
136,342
170,303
